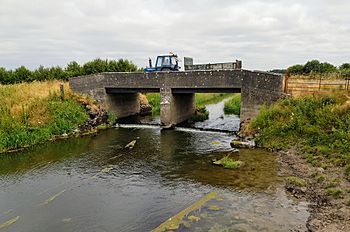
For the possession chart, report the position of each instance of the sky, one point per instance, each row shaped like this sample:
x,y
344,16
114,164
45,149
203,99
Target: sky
x,y
264,34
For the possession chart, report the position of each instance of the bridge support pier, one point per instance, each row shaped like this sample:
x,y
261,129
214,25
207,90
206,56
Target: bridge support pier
x,y
175,107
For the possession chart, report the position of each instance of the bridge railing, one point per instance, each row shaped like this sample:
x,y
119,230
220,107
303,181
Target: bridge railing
x,y
189,66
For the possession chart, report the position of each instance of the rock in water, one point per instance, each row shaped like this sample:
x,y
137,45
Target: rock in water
x,y
131,144
242,144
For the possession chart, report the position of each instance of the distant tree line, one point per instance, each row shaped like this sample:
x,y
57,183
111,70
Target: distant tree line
x,y
316,67
73,69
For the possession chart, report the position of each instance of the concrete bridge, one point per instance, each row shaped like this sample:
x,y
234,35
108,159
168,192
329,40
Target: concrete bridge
x,y
119,92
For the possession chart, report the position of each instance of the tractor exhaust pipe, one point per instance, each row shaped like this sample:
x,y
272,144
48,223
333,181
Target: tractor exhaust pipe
x,y
150,62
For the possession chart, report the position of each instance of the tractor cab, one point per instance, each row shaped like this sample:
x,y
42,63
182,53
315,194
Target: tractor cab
x,y
168,62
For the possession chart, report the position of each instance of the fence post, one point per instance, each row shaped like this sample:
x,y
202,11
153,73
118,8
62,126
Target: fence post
x,y
319,86
286,79
62,91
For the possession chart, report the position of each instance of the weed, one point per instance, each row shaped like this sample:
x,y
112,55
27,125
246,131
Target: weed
x,y
295,181
335,192
229,163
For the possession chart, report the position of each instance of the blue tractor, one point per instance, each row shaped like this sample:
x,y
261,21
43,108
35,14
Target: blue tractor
x,y
168,62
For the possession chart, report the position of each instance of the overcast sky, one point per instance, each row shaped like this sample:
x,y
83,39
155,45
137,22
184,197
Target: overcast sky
x,y
265,34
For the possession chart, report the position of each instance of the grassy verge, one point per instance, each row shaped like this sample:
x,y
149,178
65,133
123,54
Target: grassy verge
x,y
34,113
319,126
233,106
203,99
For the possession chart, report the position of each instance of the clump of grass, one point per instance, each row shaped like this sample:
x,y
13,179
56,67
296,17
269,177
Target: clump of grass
x,y
200,115
320,178
233,106
347,170
295,181
335,192
112,118
229,163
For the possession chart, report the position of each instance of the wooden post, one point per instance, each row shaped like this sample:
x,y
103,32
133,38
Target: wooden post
x,y
319,86
286,79
62,91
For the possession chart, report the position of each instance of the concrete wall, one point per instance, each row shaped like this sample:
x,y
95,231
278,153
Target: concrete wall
x,y
177,90
257,90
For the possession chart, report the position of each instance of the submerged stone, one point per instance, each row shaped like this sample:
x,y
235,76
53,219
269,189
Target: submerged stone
x,y
215,208
131,144
242,144
194,218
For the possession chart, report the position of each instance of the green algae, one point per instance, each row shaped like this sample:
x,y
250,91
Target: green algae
x,y
174,222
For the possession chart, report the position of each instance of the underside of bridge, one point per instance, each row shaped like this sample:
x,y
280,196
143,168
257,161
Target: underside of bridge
x,y
119,92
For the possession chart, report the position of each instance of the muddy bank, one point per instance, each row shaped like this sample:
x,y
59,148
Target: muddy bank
x,y
329,208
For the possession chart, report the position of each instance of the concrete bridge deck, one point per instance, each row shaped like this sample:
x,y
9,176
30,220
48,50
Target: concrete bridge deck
x,y
119,91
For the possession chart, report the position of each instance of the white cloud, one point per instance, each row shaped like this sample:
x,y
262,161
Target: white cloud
x,y
264,34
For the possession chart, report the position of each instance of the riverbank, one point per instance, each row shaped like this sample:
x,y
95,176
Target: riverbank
x,y
312,137
32,113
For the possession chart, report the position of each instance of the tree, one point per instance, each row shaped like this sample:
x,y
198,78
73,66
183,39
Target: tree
x,y
313,66
57,73
4,76
344,66
73,69
40,74
327,68
296,69
21,74
95,66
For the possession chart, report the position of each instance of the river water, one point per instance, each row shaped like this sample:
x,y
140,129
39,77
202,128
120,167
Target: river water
x,y
94,183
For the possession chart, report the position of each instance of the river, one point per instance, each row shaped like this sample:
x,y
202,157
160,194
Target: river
x,y
94,183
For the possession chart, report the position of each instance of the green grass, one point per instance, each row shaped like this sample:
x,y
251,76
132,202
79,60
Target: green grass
x,y
154,101
296,181
228,162
202,99
233,106
318,125
33,113
335,192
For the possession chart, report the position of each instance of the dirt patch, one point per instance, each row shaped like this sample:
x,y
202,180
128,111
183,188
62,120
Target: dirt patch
x,y
326,189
